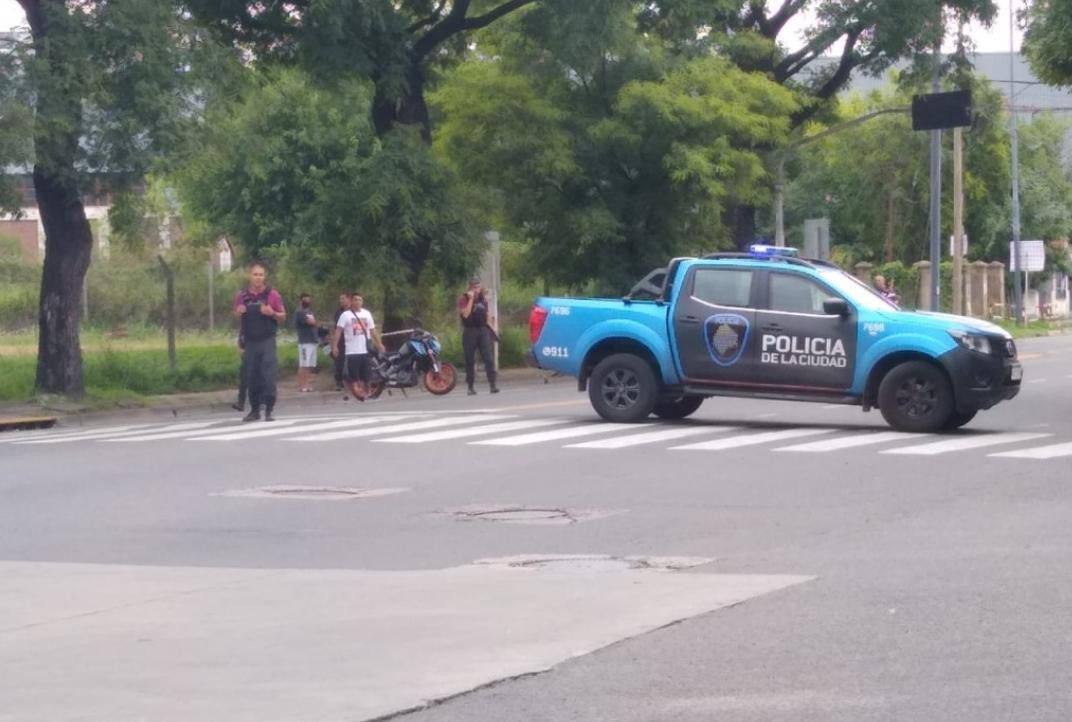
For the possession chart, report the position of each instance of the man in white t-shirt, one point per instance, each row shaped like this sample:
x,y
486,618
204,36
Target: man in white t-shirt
x,y
357,332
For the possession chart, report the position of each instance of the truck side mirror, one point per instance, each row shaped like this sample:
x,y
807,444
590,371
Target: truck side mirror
x,y
836,307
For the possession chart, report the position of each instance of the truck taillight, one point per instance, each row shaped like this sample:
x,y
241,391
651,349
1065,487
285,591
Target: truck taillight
x,y
537,318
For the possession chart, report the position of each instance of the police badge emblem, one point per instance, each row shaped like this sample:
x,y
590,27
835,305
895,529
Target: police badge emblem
x,y
726,335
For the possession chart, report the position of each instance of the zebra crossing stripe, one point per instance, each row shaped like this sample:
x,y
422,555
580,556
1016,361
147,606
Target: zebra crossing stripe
x,y
471,431
401,428
177,431
962,443
278,428
1040,452
568,433
750,439
22,438
183,428
850,442
650,437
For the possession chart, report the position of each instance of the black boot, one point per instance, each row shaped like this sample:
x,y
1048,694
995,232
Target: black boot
x,y
472,391
494,388
268,410
253,415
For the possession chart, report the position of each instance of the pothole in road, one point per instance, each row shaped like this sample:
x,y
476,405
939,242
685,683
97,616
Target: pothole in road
x,y
515,514
595,562
322,493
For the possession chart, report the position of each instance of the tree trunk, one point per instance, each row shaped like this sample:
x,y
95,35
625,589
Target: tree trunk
x,y
743,220
890,208
409,108
68,246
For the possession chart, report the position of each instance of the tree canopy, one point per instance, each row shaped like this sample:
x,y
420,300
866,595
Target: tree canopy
x,y
605,154
295,166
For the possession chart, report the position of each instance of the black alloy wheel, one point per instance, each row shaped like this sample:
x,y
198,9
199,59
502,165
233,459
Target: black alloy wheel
x,y
916,396
622,388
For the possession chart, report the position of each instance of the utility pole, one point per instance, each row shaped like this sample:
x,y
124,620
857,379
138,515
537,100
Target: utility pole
x,y
211,291
936,191
1017,286
958,220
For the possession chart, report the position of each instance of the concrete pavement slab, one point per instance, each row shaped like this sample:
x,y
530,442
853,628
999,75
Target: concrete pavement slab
x,y
111,642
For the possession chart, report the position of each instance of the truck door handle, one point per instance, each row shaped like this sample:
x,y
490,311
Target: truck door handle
x,y
689,318
772,327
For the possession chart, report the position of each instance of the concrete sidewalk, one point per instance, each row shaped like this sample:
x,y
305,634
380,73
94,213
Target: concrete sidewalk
x,y
99,643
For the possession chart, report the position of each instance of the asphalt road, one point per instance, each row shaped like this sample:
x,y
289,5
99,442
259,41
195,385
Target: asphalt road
x,y
762,561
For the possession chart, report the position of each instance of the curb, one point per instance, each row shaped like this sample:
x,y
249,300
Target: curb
x,y
174,405
19,423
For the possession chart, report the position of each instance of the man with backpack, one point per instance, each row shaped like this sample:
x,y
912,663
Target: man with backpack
x,y
259,310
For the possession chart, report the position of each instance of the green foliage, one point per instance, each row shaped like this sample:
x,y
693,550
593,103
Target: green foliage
x,y
1045,187
294,169
610,163
871,180
1048,40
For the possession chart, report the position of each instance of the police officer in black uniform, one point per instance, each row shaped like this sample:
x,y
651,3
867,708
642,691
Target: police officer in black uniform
x,y
477,335
259,309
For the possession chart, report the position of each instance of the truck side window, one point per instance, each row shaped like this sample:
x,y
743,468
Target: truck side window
x,y
723,286
791,293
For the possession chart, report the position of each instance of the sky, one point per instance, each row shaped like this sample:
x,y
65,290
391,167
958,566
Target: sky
x,y
992,39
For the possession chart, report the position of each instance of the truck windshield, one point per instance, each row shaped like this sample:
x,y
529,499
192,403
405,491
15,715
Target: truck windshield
x,y
857,291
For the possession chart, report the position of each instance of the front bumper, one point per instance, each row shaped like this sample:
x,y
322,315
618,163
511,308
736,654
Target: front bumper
x,y
981,380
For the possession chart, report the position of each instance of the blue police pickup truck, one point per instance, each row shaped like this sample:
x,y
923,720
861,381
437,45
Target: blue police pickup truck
x,y
771,325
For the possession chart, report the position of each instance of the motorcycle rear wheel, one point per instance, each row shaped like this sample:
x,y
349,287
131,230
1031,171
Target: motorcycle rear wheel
x,y
443,382
375,388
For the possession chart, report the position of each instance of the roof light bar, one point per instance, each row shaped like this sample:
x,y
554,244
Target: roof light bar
x,y
761,250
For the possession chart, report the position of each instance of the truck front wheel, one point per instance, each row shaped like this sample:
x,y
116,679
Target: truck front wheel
x,y
916,396
623,388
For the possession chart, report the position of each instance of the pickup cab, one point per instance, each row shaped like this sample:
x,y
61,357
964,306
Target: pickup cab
x,y
771,325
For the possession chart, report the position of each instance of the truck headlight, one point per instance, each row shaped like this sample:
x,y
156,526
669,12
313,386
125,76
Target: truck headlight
x,y
972,341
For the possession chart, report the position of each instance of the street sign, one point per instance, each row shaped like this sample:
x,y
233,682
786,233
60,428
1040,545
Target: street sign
x,y
1032,253
935,111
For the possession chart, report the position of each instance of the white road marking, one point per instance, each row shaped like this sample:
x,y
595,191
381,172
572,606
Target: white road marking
x,y
278,428
962,443
850,442
22,437
1040,452
750,439
401,428
1036,381
834,406
620,442
472,431
159,431
542,436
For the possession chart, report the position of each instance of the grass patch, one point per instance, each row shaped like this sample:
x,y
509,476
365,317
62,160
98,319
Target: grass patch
x,y
1028,329
128,375
125,371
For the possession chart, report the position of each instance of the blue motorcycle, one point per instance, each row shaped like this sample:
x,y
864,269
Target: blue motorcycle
x,y
416,361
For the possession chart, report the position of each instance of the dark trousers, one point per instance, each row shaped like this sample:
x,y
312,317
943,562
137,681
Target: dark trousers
x,y
243,380
340,367
473,340
261,365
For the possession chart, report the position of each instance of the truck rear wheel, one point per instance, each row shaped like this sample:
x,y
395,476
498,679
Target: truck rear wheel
x,y
916,396
678,407
623,388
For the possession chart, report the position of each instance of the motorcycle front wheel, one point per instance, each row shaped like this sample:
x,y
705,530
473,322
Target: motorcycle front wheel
x,y
443,382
